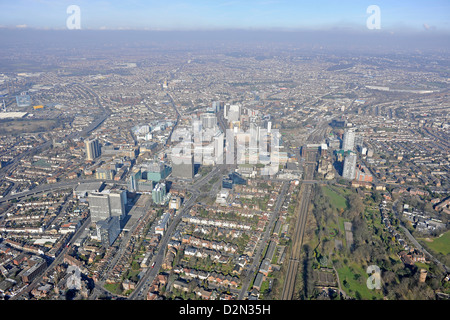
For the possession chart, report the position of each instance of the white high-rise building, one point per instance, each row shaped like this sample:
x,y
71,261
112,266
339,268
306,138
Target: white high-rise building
x,y
349,171
218,147
209,121
348,141
234,114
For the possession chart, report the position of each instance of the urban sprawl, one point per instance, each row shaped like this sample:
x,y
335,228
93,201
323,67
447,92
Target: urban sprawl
x,y
224,174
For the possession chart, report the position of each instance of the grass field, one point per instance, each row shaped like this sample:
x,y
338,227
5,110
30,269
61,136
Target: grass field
x,y
113,287
354,279
440,244
336,200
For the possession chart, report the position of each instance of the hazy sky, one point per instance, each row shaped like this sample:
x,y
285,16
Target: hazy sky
x,y
410,15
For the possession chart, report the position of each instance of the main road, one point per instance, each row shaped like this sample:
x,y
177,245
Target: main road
x,y
66,184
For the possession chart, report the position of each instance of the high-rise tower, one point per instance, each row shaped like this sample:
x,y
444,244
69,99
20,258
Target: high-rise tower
x,y
92,149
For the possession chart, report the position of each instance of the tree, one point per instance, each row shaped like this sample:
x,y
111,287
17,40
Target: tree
x,y
389,278
356,206
361,232
346,284
376,196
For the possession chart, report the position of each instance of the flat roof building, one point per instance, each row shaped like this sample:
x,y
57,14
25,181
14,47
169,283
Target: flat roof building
x,y
183,166
105,204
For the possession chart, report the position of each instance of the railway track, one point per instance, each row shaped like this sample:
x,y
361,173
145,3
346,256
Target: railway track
x,y
301,213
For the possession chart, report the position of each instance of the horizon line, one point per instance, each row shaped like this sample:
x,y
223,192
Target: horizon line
x,y
242,29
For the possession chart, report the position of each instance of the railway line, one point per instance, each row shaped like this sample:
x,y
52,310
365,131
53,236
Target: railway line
x,y
301,213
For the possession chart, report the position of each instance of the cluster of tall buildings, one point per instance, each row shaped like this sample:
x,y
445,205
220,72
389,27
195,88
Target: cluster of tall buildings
x,y
144,178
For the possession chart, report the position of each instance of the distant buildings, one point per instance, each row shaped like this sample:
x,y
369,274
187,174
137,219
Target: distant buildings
x,y
23,100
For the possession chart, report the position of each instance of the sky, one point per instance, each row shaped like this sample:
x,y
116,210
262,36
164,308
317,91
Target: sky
x,y
395,15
